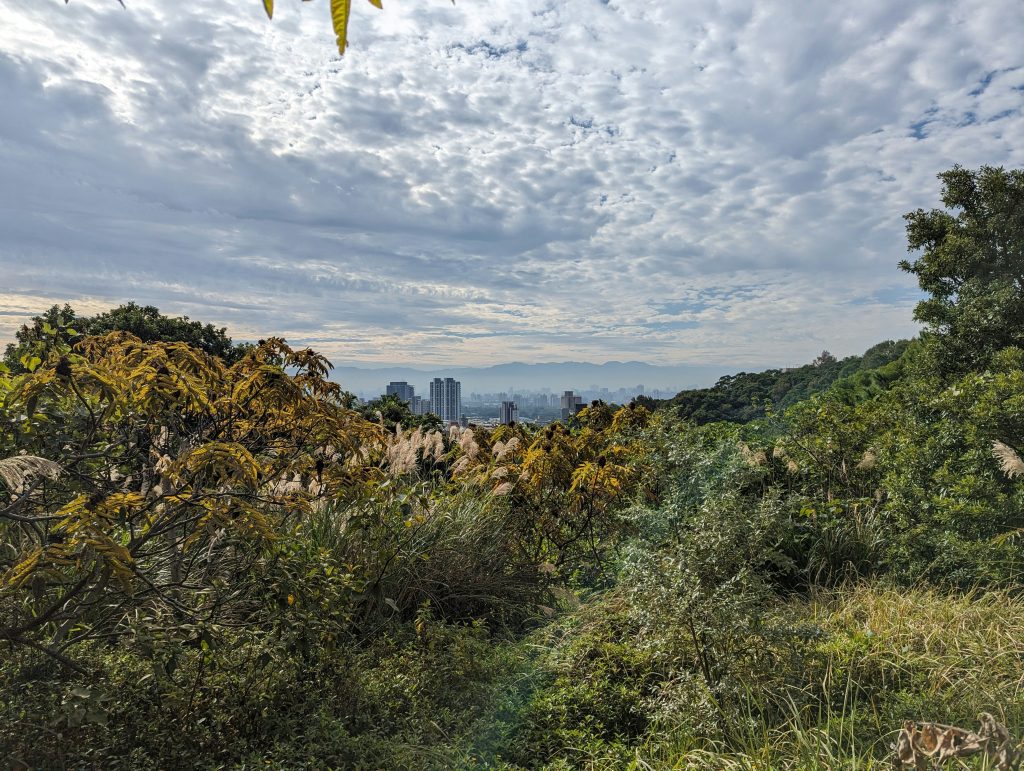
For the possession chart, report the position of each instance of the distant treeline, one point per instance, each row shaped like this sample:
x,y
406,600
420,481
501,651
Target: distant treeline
x,y
747,396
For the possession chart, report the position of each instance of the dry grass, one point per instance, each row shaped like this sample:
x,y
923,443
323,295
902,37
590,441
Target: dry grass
x,y
969,646
1009,461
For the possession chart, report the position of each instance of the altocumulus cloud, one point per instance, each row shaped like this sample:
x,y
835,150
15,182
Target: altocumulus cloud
x,y
701,182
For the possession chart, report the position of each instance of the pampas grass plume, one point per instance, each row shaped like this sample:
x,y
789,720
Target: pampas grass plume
x,y
1009,460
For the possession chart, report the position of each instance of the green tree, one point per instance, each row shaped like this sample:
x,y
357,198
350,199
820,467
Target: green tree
x,y
144,321
972,266
748,396
149,325
52,322
391,411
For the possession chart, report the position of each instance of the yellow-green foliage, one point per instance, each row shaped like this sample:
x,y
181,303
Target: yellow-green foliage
x,y
166,453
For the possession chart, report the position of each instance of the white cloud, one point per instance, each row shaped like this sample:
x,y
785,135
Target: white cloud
x,y
698,182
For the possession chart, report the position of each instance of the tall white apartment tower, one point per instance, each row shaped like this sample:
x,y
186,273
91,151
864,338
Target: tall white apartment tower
x,y
446,399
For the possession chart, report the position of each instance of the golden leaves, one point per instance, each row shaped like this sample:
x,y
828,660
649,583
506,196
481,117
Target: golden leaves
x,y
88,529
599,478
339,17
631,417
340,11
24,570
228,463
170,447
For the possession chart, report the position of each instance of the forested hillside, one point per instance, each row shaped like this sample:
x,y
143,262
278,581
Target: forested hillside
x,y
747,396
212,561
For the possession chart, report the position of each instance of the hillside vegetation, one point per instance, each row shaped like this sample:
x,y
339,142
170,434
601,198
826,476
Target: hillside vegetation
x,y
215,562
747,396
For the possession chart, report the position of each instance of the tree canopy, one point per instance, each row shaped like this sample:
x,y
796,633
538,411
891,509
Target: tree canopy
x,y
165,452
747,396
971,265
144,321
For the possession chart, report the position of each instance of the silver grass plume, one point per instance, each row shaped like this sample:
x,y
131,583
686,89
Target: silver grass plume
x,y
468,444
18,469
506,448
436,444
868,461
402,449
752,458
1009,460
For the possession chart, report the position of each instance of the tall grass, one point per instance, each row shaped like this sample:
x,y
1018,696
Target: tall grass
x,y
880,656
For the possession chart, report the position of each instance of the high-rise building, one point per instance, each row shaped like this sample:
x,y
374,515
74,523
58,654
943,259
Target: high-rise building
x,y
419,406
570,404
446,399
402,390
508,412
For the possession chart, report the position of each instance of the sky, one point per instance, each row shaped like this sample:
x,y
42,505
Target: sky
x,y
496,180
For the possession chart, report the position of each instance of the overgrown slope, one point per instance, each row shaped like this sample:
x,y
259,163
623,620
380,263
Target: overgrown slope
x,y
746,396
221,565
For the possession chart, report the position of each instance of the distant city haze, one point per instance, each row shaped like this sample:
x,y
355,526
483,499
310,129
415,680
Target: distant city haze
x,y
517,377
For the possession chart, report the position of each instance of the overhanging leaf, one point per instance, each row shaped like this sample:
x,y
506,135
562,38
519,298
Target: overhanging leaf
x,y
339,16
268,6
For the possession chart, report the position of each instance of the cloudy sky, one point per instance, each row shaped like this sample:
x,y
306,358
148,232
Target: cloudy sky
x,y
535,180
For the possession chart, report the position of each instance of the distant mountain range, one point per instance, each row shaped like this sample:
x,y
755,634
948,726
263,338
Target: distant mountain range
x,y
556,376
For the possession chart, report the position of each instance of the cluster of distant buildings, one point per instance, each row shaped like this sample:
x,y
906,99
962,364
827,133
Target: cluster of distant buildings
x,y
445,401
445,398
